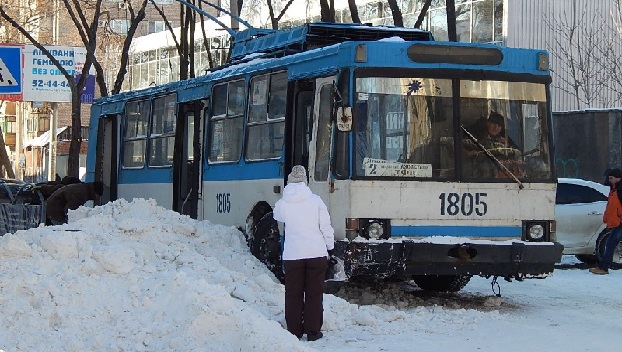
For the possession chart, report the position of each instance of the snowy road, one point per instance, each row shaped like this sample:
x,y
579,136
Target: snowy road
x,y
572,310
136,277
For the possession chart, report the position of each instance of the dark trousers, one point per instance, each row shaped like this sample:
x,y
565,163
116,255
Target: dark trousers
x,y
615,236
304,290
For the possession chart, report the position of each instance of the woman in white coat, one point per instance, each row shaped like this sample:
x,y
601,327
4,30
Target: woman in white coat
x,y
309,238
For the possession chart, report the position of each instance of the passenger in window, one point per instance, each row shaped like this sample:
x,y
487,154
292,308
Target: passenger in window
x,y
276,107
236,105
309,241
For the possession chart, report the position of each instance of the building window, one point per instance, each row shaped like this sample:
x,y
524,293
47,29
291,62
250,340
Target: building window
x,y
8,124
477,21
44,123
119,26
66,134
31,124
156,26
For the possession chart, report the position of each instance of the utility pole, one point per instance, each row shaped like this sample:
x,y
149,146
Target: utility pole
x,y
19,158
233,8
54,105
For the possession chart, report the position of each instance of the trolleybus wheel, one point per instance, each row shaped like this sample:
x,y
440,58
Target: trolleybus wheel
x,y
441,283
264,239
600,250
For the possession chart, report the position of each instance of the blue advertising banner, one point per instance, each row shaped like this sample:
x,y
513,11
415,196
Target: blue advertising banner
x,y
88,93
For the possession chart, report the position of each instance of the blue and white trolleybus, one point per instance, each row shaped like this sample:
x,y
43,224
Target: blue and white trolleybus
x,y
392,127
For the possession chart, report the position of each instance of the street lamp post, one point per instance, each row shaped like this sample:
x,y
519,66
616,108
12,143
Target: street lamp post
x,y
54,105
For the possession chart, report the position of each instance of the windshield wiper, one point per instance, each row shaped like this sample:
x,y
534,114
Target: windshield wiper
x,y
492,157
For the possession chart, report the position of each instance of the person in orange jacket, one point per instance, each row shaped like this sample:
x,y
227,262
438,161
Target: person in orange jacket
x,y
613,218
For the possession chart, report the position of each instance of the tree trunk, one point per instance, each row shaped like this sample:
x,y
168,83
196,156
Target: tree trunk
x,y
451,20
354,11
4,158
192,23
327,11
424,11
396,12
73,164
273,20
183,43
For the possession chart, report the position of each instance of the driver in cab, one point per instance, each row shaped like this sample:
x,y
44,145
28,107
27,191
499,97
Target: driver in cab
x,y
491,139
492,136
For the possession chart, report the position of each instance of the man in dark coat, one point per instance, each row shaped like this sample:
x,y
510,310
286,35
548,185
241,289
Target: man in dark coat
x,y
45,189
70,197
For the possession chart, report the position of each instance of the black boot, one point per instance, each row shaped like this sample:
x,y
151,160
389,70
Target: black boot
x,y
314,337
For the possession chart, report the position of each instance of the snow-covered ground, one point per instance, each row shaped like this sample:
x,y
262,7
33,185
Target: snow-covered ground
x,y
135,277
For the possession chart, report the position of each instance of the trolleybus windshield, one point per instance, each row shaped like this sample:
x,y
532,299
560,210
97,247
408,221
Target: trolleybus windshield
x,y
406,127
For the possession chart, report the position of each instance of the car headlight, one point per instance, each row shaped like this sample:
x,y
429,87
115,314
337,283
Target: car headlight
x,y
536,232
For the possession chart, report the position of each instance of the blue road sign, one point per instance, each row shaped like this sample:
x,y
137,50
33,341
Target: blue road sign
x,y
10,69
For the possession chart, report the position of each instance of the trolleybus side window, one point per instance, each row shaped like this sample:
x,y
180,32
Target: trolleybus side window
x,y
135,133
266,116
226,122
322,157
162,136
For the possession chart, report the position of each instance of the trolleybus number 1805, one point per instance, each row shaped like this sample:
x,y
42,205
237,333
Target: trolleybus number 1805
x,y
466,204
223,204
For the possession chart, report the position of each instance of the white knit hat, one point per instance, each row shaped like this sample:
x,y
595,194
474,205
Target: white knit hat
x,y
298,174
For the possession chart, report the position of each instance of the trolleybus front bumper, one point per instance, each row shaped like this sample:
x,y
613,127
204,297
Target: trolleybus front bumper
x,y
508,259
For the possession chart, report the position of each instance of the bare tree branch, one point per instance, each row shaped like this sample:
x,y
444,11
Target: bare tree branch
x,y
424,11
588,64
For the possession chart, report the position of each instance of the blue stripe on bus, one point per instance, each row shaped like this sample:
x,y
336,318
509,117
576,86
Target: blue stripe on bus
x,y
244,171
146,175
457,231
221,172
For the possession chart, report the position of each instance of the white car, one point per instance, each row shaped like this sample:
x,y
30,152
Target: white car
x,y
579,207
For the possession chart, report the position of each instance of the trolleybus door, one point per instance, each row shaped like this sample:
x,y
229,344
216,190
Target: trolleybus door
x,y
297,146
320,146
187,160
107,157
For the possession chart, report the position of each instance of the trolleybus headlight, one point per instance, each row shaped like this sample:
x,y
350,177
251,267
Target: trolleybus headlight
x,y
536,232
374,230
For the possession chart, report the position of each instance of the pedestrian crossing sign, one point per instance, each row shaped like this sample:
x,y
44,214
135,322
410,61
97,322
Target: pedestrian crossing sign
x,y
10,69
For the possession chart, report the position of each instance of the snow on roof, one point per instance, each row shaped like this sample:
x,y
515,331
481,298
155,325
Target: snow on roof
x,y
43,139
164,39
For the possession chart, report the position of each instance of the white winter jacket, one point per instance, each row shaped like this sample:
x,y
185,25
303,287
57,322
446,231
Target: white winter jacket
x,y
308,233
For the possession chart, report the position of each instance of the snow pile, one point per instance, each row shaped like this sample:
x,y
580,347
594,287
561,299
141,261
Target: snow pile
x,y
133,276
